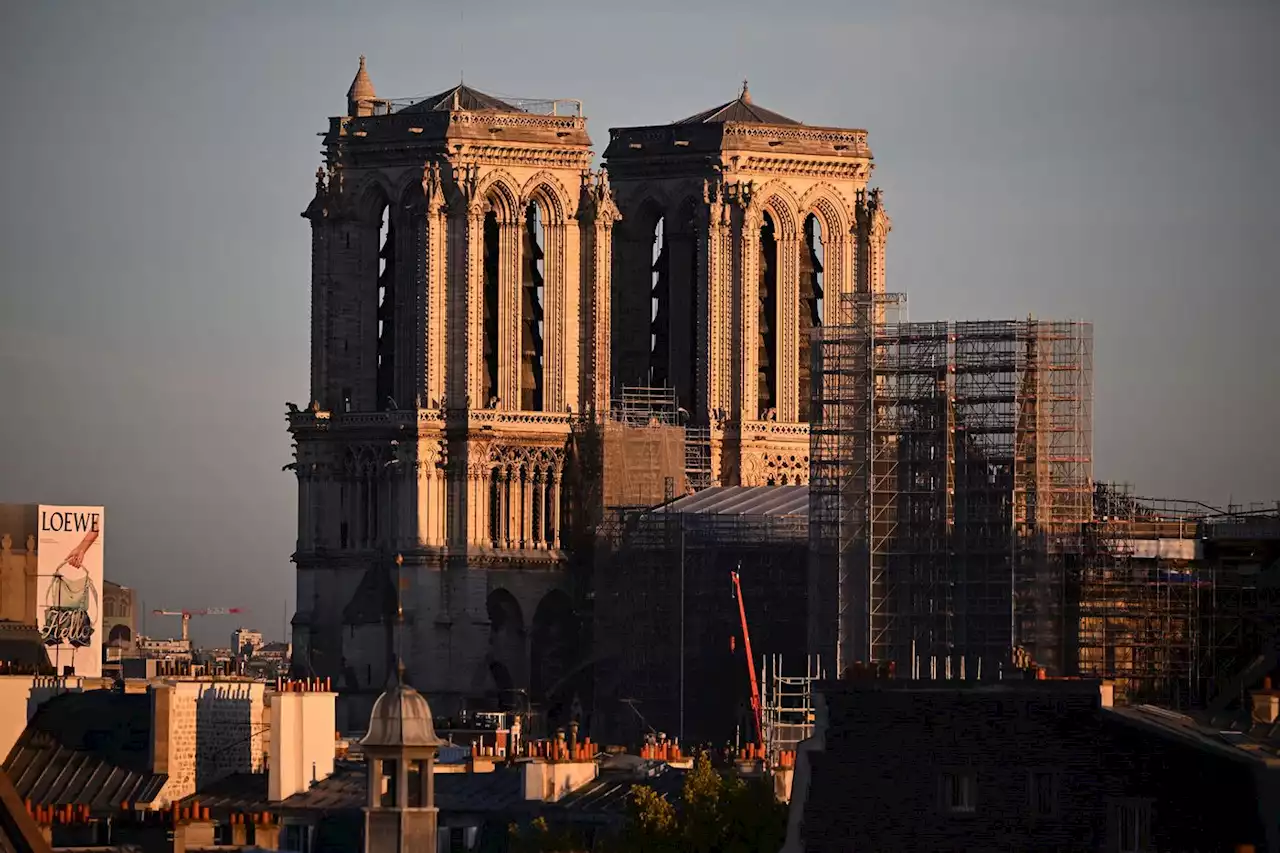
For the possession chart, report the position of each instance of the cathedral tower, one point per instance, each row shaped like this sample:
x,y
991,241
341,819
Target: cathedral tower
x,y
741,230
459,322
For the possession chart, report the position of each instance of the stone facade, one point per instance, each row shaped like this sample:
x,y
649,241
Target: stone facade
x,y
460,250
204,730
738,191
473,303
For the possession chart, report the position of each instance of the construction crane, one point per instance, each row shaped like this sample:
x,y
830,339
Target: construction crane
x,y
751,661
187,614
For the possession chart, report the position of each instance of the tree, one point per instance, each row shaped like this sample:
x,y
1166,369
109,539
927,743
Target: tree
x,y
539,837
732,815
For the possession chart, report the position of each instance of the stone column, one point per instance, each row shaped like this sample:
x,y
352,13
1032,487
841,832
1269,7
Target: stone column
x,y
475,505
513,501
598,214
472,343
553,533
749,328
509,311
718,262
526,514
553,315
433,283
540,502
788,325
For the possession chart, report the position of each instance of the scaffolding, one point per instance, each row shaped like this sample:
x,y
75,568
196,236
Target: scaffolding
x,y
668,619
787,705
951,474
1144,602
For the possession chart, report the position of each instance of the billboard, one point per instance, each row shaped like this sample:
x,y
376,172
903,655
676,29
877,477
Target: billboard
x,y
68,589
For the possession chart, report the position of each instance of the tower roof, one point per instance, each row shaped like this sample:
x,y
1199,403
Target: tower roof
x,y
362,86
740,109
401,717
461,97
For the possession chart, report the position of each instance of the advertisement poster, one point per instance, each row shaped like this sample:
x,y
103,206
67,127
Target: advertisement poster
x,y
69,585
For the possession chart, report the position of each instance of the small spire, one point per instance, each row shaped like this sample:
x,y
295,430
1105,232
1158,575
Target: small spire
x,y
745,97
361,92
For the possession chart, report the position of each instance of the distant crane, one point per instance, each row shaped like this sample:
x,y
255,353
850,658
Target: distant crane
x,y
187,614
751,662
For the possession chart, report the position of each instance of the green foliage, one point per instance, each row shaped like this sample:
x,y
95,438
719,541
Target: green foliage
x,y
724,815
539,837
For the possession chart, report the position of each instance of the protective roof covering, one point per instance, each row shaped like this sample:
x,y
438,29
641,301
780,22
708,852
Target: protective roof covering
x,y
89,748
781,501
740,109
467,99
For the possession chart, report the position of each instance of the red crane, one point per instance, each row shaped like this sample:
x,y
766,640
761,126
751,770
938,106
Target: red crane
x,y
187,614
751,661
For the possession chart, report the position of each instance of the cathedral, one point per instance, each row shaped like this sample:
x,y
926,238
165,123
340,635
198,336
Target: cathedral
x,y
478,294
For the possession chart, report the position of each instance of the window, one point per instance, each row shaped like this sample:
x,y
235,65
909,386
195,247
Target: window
x,y
390,772
810,306
958,791
457,839
1043,792
1130,825
660,310
767,364
489,341
532,349
294,838
386,307
417,783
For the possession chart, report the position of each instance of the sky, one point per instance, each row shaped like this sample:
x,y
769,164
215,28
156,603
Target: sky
x,y
1107,161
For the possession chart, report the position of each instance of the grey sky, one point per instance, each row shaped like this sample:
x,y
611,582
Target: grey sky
x,y
1108,161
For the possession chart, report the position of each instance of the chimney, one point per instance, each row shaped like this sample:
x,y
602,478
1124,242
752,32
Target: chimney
x,y
1266,703
303,746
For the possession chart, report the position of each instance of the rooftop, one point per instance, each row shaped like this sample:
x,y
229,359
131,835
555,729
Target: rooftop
x,y
89,748
777,501
1245,746
460,97
742,110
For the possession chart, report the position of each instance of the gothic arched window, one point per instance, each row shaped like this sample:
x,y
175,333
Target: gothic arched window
x,y
811,306
489,335
385,372
532,294
767,364
660,317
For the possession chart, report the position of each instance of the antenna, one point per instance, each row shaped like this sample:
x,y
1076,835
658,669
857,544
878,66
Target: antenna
x,y
462,43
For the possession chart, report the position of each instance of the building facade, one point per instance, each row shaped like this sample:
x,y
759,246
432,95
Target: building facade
x,y
742,231
460,250
473,304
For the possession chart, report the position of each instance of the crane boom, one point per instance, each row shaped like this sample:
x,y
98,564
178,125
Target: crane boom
x,y
187,614
751,661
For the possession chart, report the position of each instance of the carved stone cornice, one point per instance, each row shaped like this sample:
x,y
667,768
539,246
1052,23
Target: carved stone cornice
x,y
854,140
848,170
525,155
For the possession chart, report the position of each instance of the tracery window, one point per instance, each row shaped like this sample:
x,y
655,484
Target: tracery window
x,y
489,335
532,293
767,362
811,305
385,372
